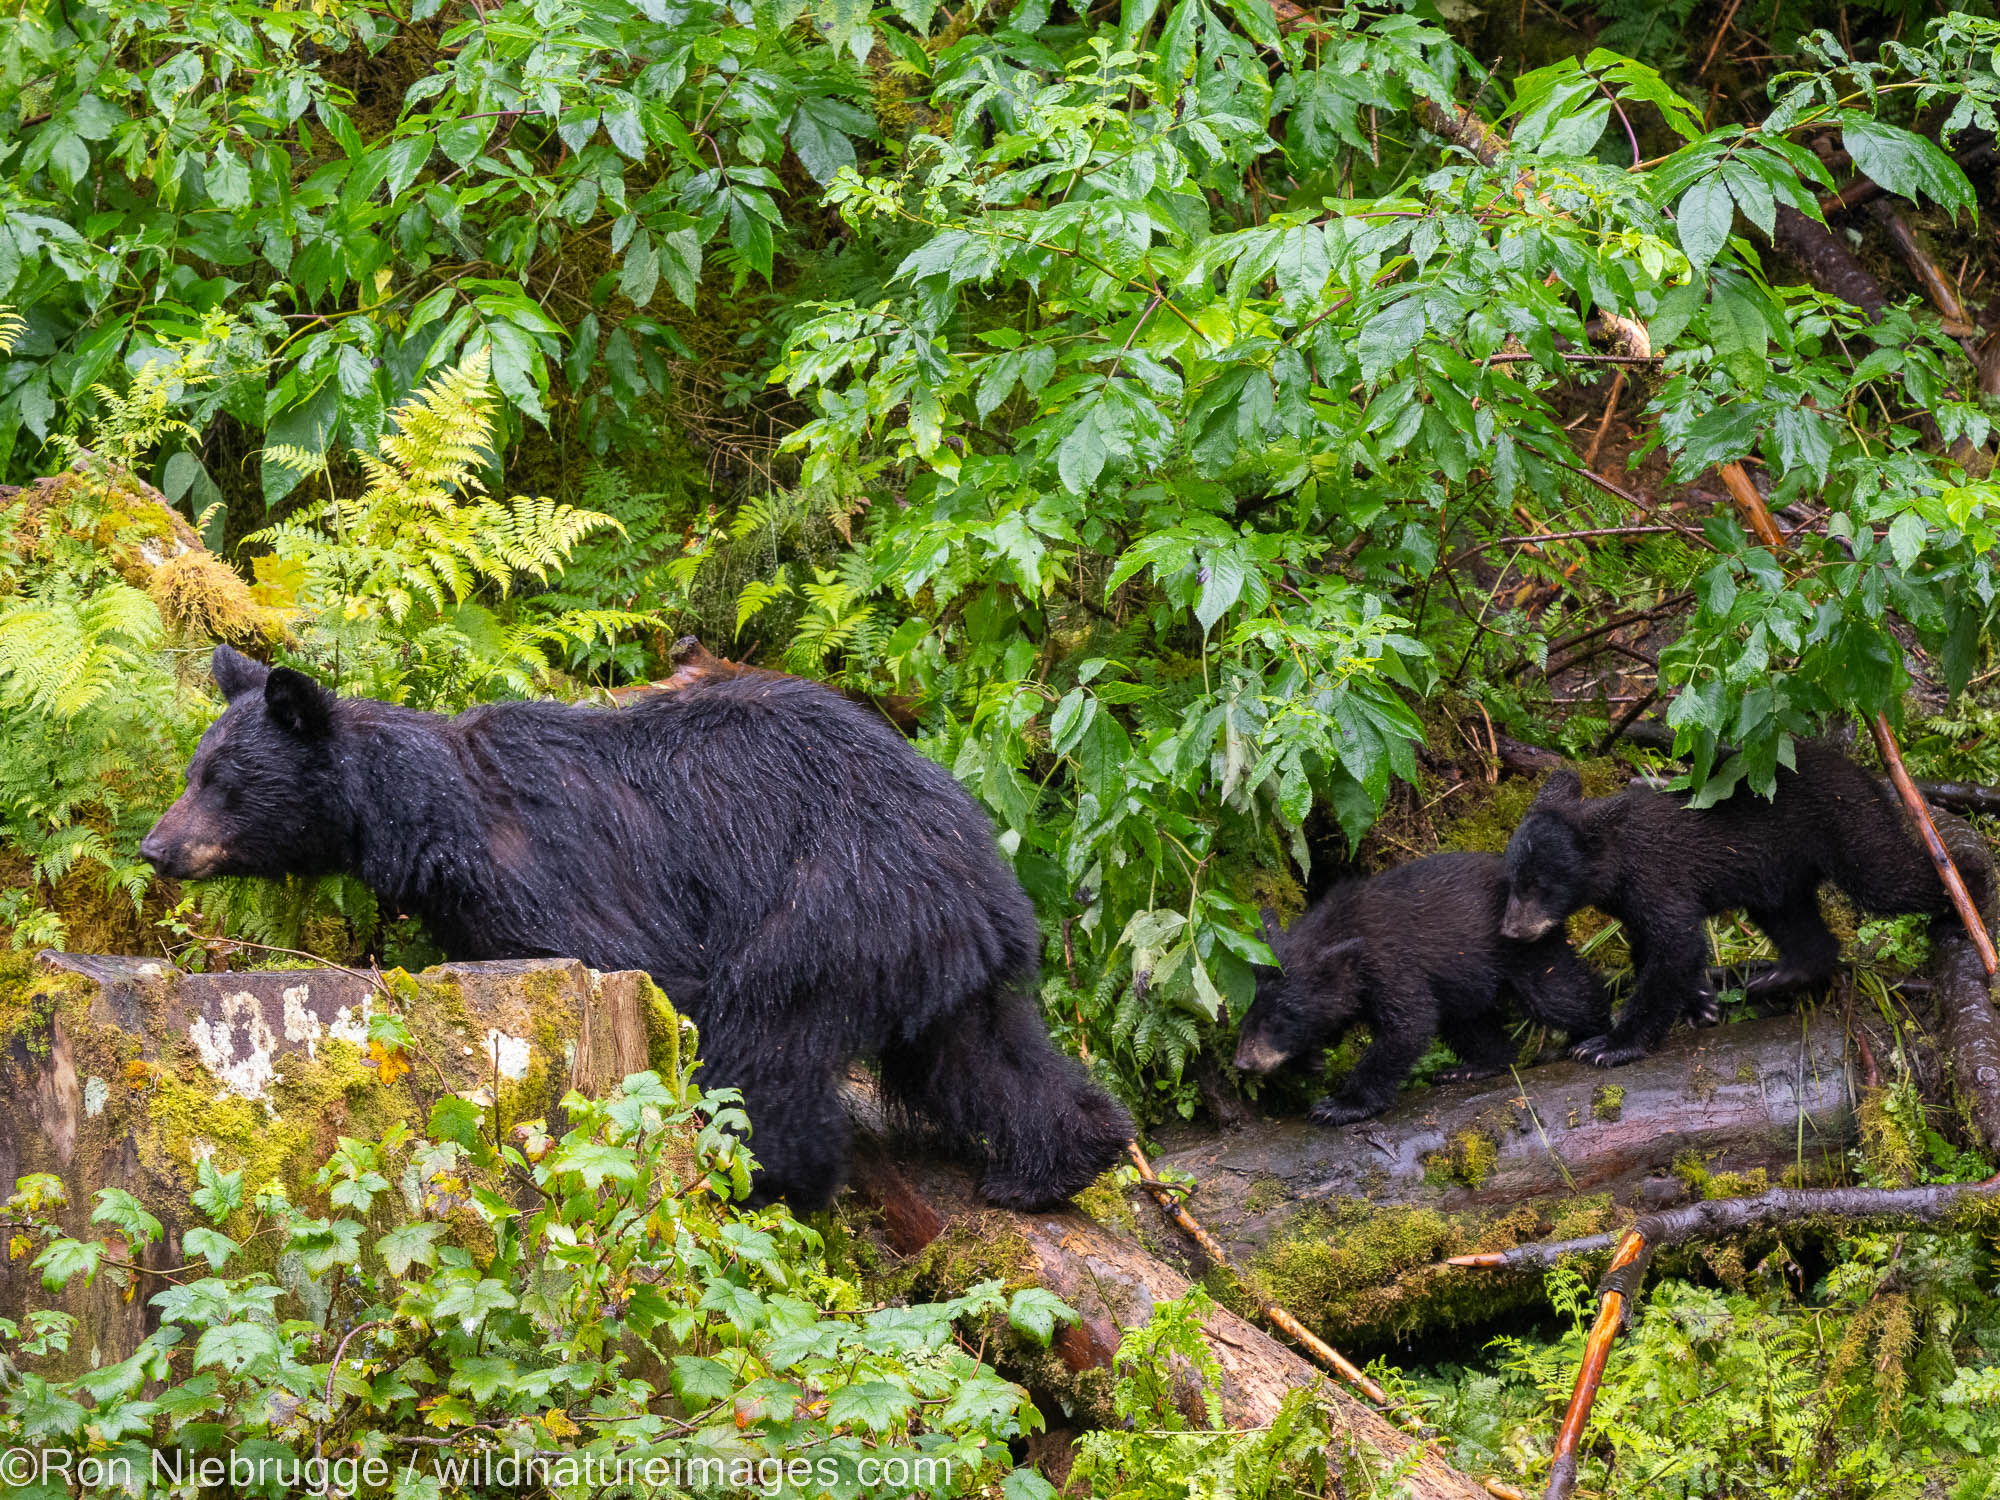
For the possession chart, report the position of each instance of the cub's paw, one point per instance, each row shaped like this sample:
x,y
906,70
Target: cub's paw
x,y
1332,1112
1781,979
1607,1052
1704,1010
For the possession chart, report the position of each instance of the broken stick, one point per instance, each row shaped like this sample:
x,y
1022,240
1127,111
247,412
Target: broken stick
x,y
1616,1292
1325,1353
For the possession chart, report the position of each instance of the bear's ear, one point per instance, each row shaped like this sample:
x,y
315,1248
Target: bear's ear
x,y
1343,956
235,673
1564,788
297,704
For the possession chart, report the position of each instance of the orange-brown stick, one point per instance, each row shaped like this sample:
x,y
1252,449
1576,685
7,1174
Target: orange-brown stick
x,y
1318,1347
1757,516
1975,925
1596,1351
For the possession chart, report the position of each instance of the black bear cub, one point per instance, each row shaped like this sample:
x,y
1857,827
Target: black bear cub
x,y
798,879
1416,953
1661,868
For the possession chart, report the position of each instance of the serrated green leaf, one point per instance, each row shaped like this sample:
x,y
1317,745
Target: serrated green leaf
x,y
1703,219
1904,163
408,1245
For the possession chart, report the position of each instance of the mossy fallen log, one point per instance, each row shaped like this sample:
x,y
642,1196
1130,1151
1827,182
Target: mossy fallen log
x,y
123,1073
936,1237
1350,1228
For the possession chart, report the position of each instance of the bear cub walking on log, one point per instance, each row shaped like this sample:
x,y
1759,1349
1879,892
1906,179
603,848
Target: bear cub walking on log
x,y
1661,868
799,881
1416,952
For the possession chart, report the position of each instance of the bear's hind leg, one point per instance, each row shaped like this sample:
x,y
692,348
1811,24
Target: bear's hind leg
x,y
993,1085
1481,1044
1808,952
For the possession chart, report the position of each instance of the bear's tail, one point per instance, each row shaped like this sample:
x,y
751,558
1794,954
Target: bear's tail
x,y
991,1086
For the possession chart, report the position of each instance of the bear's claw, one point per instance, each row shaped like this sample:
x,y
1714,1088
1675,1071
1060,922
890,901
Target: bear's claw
x,y
1604,1052
1331,1112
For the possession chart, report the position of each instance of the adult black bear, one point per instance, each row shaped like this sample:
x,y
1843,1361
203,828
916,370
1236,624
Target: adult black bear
x,y
1660,867
1416,953
791,872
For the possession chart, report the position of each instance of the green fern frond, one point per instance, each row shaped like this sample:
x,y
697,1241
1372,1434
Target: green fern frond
x,y
12,326
443,430
301,461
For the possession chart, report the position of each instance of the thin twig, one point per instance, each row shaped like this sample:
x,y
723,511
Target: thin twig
x,y
1320,1350
1604,422
1721,31
1555,536
1954,884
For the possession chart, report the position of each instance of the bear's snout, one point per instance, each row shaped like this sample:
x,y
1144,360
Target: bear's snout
x,y
1255,1055
1525,920
173,853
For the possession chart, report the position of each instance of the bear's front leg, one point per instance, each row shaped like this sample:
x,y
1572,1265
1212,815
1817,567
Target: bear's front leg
x,y
1673,973
1403,1027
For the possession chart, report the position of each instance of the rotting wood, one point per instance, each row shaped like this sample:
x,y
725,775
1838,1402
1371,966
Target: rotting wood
x,y
927,1206
1962,992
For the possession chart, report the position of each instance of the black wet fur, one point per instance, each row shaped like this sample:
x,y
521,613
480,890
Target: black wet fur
x,y
1416,953
798,880
1660,868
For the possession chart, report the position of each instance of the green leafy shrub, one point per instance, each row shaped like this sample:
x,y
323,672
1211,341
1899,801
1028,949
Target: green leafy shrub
x,y
470,1306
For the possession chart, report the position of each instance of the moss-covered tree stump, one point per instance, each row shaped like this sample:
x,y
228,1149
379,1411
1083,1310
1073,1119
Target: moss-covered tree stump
x,y
125,1073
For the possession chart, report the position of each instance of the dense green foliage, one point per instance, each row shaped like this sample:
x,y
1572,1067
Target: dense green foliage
x,y
1137,380
1862,1368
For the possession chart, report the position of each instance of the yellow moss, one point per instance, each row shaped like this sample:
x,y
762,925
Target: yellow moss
x,y
663,1032
1581,1216
1693,1175
1884,1141
1607,1101
1737,1184
1105,1201
1468,1159
201,598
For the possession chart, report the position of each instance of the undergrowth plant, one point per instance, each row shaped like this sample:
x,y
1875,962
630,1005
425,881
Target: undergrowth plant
x,y
1839,1364
466,1306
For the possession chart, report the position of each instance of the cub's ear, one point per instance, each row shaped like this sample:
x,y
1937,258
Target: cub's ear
x,y
1563,789
1345,955
235,673
1272,935
298,705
